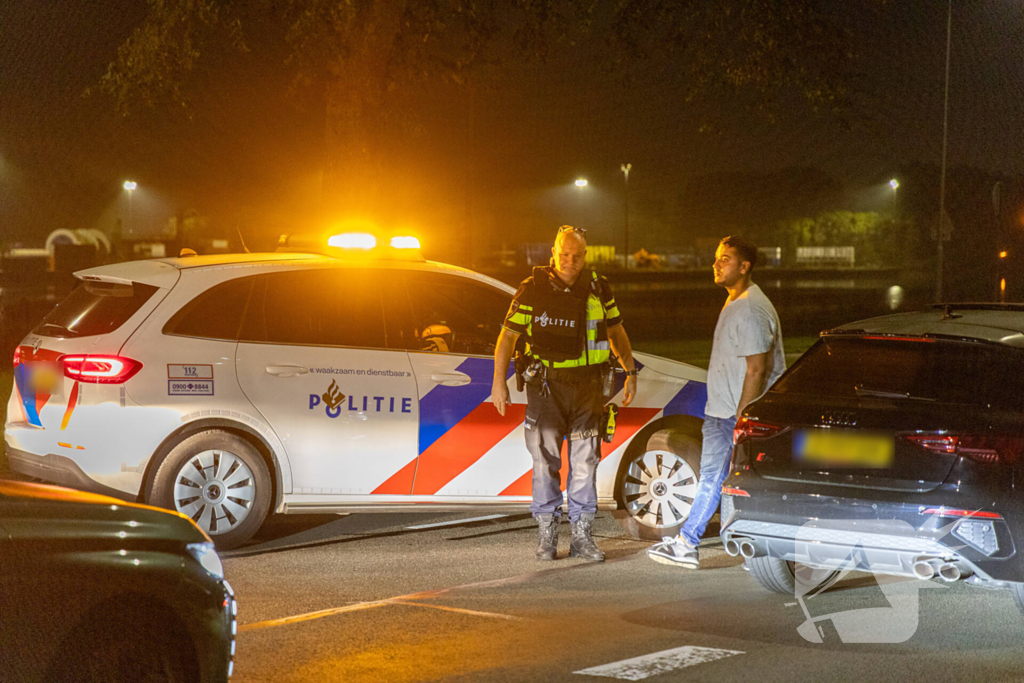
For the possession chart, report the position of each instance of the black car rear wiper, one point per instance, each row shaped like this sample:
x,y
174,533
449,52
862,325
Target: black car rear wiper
x,y
863,391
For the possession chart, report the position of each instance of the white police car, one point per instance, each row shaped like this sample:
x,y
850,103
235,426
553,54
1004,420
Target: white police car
x,y
352,377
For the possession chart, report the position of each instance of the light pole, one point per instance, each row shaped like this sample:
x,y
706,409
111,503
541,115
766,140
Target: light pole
x,y
940,233
626,168
130,187
894,184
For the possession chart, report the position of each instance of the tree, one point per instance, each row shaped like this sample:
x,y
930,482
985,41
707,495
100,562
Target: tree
x,y
358,53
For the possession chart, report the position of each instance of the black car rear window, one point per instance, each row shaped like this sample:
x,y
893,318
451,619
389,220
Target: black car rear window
x,y
935,370
94,308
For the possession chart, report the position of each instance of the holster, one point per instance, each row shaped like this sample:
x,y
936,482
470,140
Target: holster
x,y
519,365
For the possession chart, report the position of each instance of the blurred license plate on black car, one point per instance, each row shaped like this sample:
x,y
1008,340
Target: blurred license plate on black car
x,y
844,448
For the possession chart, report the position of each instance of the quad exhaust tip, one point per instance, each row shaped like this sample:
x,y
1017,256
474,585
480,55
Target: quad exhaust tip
x,y
954,571
732,548
926,569
947,571
749,550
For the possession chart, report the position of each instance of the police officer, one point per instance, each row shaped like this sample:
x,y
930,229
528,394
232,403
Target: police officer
x,y
571,326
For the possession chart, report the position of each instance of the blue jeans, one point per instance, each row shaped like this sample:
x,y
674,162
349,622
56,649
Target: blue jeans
x,y
715,458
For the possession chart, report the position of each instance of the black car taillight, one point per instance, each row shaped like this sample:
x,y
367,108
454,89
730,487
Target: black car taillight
x,y
752,429
733,491
984,449
100,369
991,449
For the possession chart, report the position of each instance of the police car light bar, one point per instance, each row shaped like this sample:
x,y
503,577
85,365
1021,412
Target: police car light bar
x,y
357,245
352,240
405,242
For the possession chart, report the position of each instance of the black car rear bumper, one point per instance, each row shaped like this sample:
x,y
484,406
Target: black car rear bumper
x,y
883,537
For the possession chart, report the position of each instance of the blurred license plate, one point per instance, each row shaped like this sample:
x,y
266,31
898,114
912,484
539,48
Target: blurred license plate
x,y
45,379
844,448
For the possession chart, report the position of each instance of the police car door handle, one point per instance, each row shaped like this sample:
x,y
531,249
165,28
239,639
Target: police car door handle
x,y
451,379
286,370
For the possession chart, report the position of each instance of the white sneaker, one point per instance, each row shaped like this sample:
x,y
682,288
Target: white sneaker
x,y
675,551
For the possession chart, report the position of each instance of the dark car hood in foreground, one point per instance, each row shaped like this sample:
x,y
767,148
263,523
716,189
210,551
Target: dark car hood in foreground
x,y
41,511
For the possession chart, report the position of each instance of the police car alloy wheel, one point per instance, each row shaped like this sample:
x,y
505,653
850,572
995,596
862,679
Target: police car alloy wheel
x,y
220,481
657,490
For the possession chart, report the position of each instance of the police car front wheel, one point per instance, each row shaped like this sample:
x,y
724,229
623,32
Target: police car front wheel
x,y
220,481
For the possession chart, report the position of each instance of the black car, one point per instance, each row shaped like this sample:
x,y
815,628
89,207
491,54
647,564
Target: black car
x,y
893,446
96,589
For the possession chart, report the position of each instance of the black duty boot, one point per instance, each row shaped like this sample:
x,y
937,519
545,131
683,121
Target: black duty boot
x,y
547,542
583,545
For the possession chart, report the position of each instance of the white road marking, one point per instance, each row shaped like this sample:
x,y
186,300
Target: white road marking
x,y
639,668
312,615
409,598
456,522
459,610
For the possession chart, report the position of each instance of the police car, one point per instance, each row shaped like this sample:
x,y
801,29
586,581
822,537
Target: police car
x,y
324,377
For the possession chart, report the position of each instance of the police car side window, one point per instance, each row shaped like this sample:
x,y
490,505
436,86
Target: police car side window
x,y
214,314
326,307
454,314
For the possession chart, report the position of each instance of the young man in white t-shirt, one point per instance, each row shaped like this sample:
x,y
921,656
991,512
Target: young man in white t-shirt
x,y
746,358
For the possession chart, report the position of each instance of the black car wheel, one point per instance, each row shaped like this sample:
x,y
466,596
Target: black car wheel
x,y
220,481
657,482
781,576
1017,591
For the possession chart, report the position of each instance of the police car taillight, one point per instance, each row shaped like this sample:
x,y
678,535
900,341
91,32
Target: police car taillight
x,y
98,369
352,240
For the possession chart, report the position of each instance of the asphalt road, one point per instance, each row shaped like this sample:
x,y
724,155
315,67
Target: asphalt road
x,y
365,598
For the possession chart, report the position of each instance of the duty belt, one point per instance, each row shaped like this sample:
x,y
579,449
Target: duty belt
x,y
577,375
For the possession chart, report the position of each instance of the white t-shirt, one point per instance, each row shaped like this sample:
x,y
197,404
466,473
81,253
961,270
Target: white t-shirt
x,y
747,326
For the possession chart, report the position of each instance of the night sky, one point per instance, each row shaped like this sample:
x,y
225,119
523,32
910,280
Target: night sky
x,y
500,157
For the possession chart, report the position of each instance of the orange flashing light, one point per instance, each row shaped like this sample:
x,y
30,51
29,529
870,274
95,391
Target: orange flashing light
x,y
352,240
405,242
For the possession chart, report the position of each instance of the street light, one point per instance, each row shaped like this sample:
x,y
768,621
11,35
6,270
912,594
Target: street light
x,y
626,168
894,184
130,186
581,182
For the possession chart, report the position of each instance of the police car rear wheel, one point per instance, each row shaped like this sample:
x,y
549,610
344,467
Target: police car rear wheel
x,y
220,481
658,484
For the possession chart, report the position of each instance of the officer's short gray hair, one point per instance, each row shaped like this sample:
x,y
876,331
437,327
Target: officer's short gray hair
x,y
579,233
